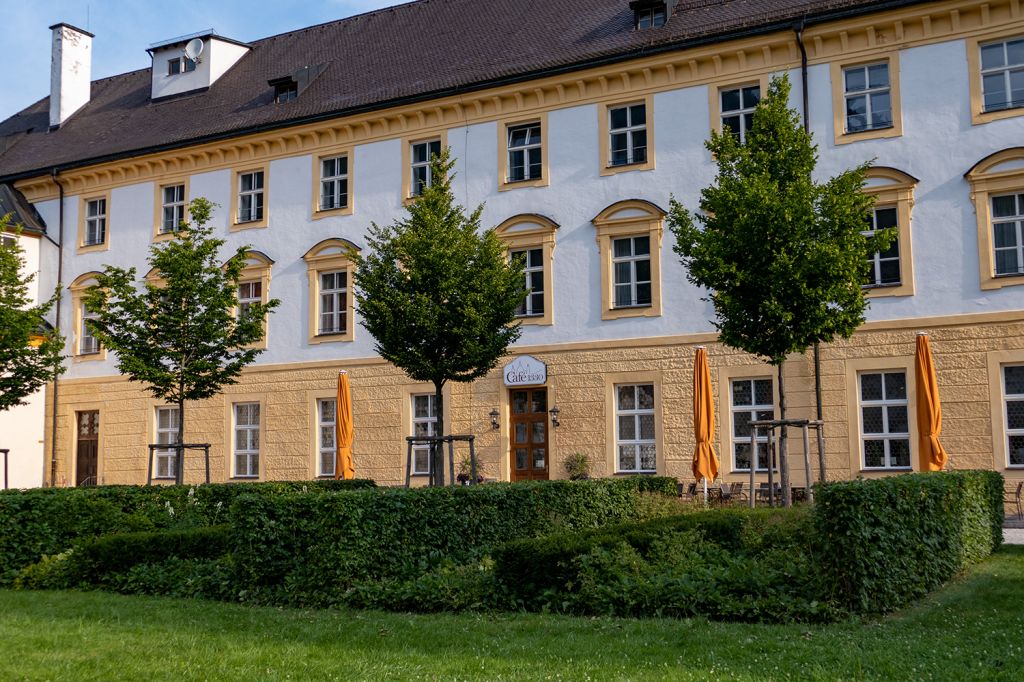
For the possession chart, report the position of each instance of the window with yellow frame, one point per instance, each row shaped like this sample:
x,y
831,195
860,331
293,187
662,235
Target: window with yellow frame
x,y
866,98
629,236
891,272
331,303
531,239
997,190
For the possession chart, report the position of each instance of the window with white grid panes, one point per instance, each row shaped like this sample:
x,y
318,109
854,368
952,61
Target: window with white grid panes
x,y
333,302
1002,74
524,152
1008,233
752,400
424,425
333,183
326,410
95,222
1013,394
422,153
250,196
87,343
533,268
631,268
247,440
249,292
883,266
737,108
868,97
166,459
627,131
635,443
884,420
172,208
650,17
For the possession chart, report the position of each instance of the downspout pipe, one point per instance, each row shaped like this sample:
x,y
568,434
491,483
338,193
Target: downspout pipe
x,y
57,318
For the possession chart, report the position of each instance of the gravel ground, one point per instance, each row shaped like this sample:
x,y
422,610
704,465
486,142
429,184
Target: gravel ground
x,y
1013,536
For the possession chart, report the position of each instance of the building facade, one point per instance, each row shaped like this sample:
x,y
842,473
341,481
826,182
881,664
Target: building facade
x,y
303,140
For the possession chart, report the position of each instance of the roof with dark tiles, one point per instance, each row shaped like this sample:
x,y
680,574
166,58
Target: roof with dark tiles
x,y
413,51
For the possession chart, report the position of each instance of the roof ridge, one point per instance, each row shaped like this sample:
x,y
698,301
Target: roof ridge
x,y
379,10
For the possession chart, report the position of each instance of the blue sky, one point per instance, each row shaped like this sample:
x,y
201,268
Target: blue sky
x,y
125,28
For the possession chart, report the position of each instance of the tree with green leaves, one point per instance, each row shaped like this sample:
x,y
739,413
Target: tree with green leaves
x,y
438,294
181,333
30,351
783,256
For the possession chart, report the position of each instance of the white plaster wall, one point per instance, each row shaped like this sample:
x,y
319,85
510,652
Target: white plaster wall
x,y
938,145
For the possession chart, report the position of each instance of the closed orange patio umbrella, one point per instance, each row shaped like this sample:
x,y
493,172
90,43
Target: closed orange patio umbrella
x,y
929,409
705,462
343,467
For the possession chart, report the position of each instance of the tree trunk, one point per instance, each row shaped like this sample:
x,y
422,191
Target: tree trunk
x,y
437,451
179,460
787,498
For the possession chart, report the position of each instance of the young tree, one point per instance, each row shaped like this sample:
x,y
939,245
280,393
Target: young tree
x,y
783,256
438,295
181,334
30,354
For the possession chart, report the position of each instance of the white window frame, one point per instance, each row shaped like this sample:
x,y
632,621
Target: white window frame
x,y
634,282
165,464
630,131
173,207
1017,220
336,181
430,422
637,442
534,140
326,423
752,409
1006,69
249,291
1010,433
250,454
651,14
876,258
527,308
339,298
885,435
87,343
95,222
415,189
182,65
256,209
742,113
867,92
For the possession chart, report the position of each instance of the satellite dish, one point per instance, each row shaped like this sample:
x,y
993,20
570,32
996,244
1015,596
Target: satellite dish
x,y
194,49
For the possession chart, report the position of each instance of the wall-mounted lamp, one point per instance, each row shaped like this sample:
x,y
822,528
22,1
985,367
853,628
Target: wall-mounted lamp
x,y
554,412
494,419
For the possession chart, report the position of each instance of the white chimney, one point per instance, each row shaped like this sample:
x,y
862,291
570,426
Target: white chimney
x,y
70,72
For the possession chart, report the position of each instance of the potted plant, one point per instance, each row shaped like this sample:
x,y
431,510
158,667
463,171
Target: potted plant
x,y
577,466
466,470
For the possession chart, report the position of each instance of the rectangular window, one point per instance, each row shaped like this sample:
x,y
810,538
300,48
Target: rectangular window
x,y
422,153
166,464
884,421
650,17
250,196
7,242
424,425
737,107
95,222
634,428
1013,392
533,267
249,292
1008,233
333,183
180,65
173,208
752,400
524,152
333,302
631,264
286,92
326,419
868,98
627,129
87,343
1002,74
247,440
884,266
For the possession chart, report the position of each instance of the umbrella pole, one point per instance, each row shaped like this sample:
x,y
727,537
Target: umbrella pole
x,y
705,491
753,461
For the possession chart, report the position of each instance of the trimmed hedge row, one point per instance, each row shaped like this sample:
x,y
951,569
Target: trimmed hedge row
x,y
311,549
885,542
49,520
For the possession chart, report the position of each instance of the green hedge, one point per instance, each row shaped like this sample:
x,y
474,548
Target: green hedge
x,y
48,521
885,542
311,549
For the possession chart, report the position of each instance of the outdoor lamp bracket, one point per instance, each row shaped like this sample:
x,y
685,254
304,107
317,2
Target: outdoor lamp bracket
x,y
554,412
494,419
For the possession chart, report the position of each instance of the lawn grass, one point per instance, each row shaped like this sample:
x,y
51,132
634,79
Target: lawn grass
x,y
971,629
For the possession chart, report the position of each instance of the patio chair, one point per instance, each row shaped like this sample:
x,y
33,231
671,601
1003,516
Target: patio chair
x,y
1014,499
691,491
737,492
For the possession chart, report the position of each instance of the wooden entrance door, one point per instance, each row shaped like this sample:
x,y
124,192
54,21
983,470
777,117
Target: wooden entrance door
x,y
88,447
529,425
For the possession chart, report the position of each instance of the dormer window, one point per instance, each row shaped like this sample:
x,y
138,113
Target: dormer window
x,y
286,92
180,65
289,87
650,13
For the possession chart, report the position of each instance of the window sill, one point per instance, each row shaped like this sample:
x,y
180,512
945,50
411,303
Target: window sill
x,y
627,167
1000,281
90,357
882,470
639,472
159,236
893,130
248,225
631,311
245,478
89,248
981,117
505,185
320,213
888,290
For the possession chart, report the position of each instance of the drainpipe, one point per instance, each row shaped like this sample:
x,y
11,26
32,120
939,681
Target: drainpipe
x,y
57,318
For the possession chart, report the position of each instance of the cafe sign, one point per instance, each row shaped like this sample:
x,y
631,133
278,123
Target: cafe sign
x,y
525,371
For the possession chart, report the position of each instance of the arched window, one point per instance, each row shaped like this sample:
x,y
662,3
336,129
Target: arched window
x,y
84,346
997,189
629,239
331,308
892,270
531,238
